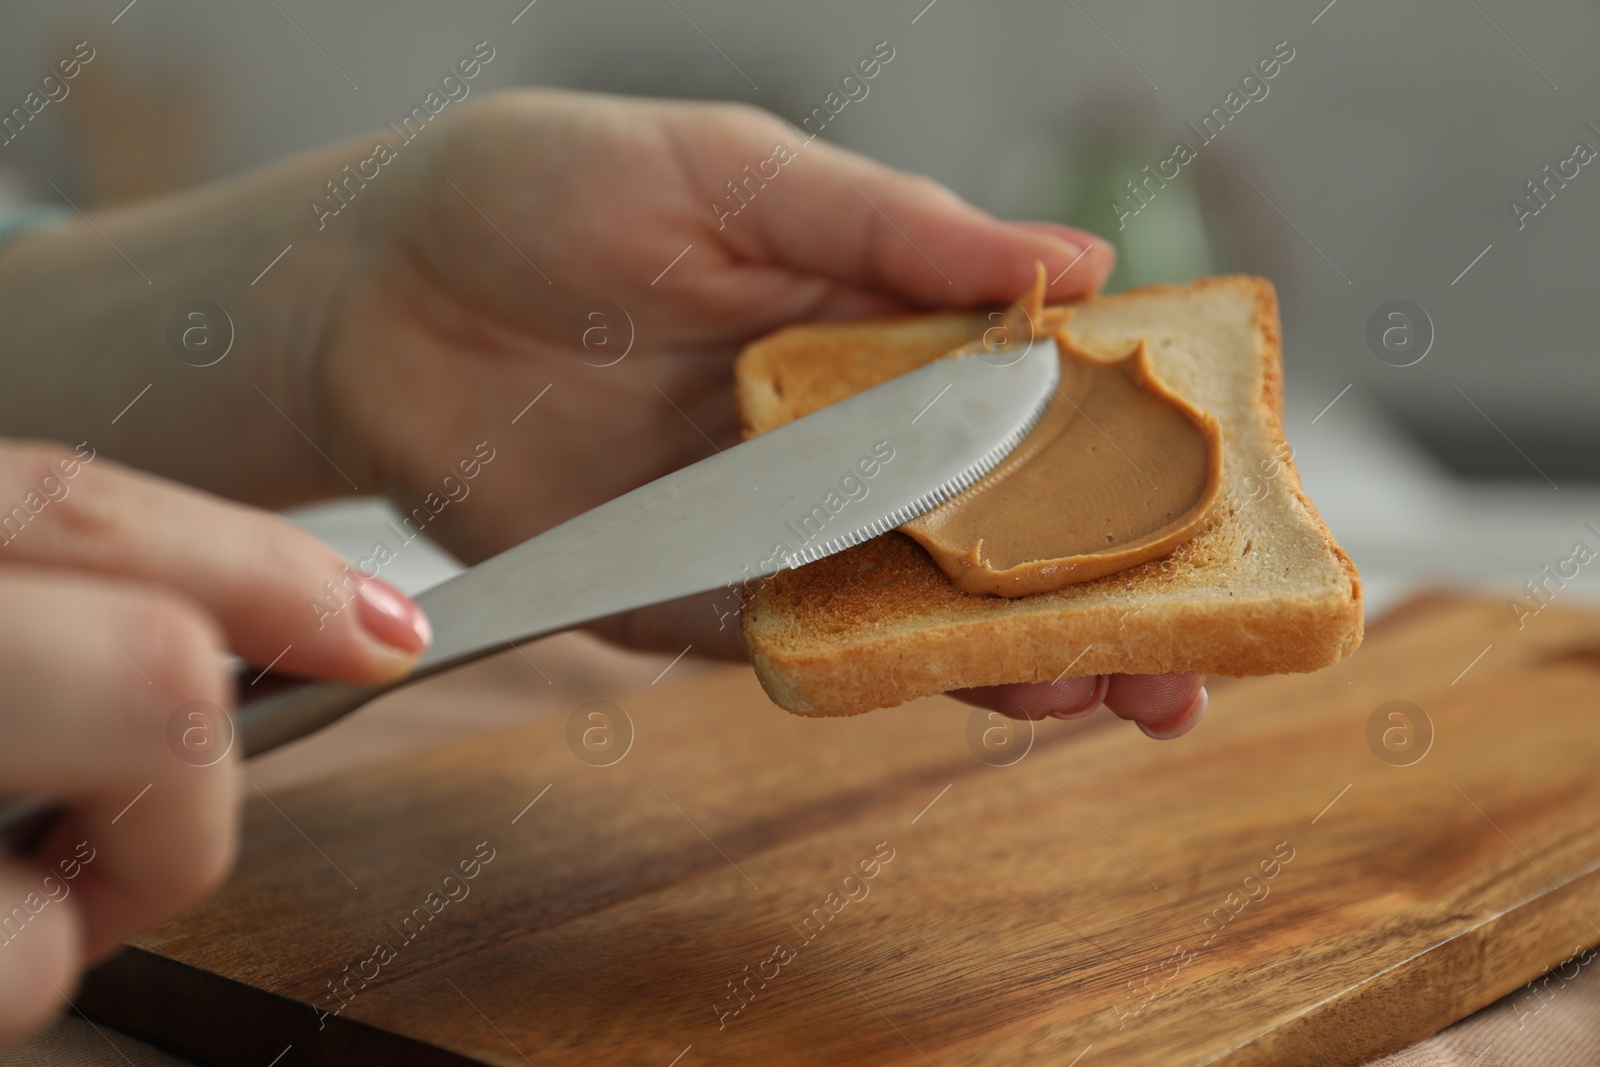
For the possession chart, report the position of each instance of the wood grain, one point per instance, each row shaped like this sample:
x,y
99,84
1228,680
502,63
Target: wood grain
x,y
1105,897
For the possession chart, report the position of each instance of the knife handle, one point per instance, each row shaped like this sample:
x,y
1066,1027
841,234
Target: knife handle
x,y
291,709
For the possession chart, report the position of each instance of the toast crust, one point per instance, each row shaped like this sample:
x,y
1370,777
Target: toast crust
x,y
880,623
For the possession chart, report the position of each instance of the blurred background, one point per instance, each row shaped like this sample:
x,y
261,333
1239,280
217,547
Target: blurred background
x,y
1372,176
1457,443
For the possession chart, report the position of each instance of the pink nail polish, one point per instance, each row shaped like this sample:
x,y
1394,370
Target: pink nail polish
x,y
392,617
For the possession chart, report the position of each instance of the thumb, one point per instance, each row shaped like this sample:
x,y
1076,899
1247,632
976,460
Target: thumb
x,y
842,216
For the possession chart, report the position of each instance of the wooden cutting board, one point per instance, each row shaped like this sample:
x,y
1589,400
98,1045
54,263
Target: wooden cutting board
x,y
1292,883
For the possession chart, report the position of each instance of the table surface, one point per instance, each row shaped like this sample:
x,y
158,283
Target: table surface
x,y
1417,892
1553,1025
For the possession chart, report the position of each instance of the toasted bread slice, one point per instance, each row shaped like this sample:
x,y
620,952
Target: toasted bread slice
x,y
1263,590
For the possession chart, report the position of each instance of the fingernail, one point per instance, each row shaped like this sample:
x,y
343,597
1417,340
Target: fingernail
x,y
392,617
1070,248
1096,698
1068,254
1064,238
1181,723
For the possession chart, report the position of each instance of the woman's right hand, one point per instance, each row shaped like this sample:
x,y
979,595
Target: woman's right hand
x,y
119,595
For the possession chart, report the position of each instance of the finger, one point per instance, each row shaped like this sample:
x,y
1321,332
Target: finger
x,y
1090,276
92,669
281,596
703,625
834,213
147,854
41,947
1164,706
1066,698
809,299
95,671
764,297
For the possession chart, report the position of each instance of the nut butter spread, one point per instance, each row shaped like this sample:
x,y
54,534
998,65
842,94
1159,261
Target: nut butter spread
x,y
1119,470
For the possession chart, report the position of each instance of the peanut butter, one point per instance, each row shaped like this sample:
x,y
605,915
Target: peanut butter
x,y
1119,471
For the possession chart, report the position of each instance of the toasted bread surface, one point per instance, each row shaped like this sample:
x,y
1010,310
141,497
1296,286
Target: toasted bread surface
x,y
1263,590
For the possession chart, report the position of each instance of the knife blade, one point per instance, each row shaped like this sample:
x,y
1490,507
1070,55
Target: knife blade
x,y
785,498
805,490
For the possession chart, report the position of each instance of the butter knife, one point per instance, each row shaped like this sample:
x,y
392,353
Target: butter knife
x,y
803,491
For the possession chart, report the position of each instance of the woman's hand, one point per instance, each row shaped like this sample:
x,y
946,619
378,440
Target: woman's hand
x,y
531,207
379,348
119,595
